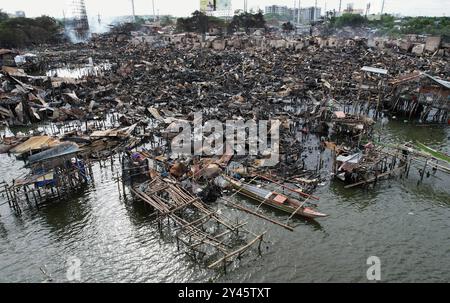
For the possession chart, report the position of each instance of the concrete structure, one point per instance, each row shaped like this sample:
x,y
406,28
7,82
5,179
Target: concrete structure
x,y
7,57
432,44
307,14
218,44
351,10
277,10
418,49
20,14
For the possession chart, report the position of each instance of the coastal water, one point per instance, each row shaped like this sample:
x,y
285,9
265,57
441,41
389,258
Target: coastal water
x,y
405,224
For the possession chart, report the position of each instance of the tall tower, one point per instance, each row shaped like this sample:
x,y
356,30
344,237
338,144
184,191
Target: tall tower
x,y
153,5
132,8
80,19
315,10
293,12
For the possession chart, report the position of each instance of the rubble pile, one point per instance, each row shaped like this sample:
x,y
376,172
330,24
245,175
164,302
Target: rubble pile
x,y
312,88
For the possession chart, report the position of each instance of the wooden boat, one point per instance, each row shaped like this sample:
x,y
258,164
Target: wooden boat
x,y
274,199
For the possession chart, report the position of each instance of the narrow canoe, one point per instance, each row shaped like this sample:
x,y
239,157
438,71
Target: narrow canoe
x,y
274,199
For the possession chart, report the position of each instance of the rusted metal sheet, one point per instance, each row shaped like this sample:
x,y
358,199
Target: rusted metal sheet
x,y
35,143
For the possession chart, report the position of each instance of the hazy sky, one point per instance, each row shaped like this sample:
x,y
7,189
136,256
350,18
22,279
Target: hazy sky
x,y
55,8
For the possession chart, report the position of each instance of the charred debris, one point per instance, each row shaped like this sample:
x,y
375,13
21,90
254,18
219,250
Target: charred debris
x,y
114,98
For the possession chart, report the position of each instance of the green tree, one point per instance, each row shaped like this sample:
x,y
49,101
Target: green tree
x,y
246,21
167,21
353,20
198,22
3,16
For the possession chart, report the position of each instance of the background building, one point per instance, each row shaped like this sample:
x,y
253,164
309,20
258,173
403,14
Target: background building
x,y
307,15
277,10
20,14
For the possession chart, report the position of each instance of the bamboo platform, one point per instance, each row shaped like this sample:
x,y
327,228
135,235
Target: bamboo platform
x,y
206,235
50,185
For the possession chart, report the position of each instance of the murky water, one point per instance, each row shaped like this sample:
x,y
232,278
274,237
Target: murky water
x,y
406,225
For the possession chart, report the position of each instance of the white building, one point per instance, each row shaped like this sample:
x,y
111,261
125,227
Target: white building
x,y
307,15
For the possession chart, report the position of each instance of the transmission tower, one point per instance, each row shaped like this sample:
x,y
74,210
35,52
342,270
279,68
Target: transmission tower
x,y
80,19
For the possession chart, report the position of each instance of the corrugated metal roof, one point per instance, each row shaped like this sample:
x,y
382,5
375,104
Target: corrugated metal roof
x,y
374,70
60,150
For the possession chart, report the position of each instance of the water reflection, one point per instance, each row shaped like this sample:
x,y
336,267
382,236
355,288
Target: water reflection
x,y
67,218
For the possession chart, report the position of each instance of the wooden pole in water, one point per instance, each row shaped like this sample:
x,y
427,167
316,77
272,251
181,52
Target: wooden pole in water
x,y
408,167
334,161
423,171
26,194
34,196
259,245
7,194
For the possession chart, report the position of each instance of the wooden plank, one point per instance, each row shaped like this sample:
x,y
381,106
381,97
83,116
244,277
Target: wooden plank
x,y
298,208
257,214
290,189
374,178
243,248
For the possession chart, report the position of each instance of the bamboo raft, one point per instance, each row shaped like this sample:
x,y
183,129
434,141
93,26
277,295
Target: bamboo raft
x,y
206,235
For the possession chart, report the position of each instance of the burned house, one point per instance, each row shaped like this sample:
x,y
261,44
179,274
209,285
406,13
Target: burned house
x,y
58,168
371,88
420,95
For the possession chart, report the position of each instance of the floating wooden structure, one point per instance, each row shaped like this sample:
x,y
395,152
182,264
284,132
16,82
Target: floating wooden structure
x,y
51,178
207,235
367,166
387,160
